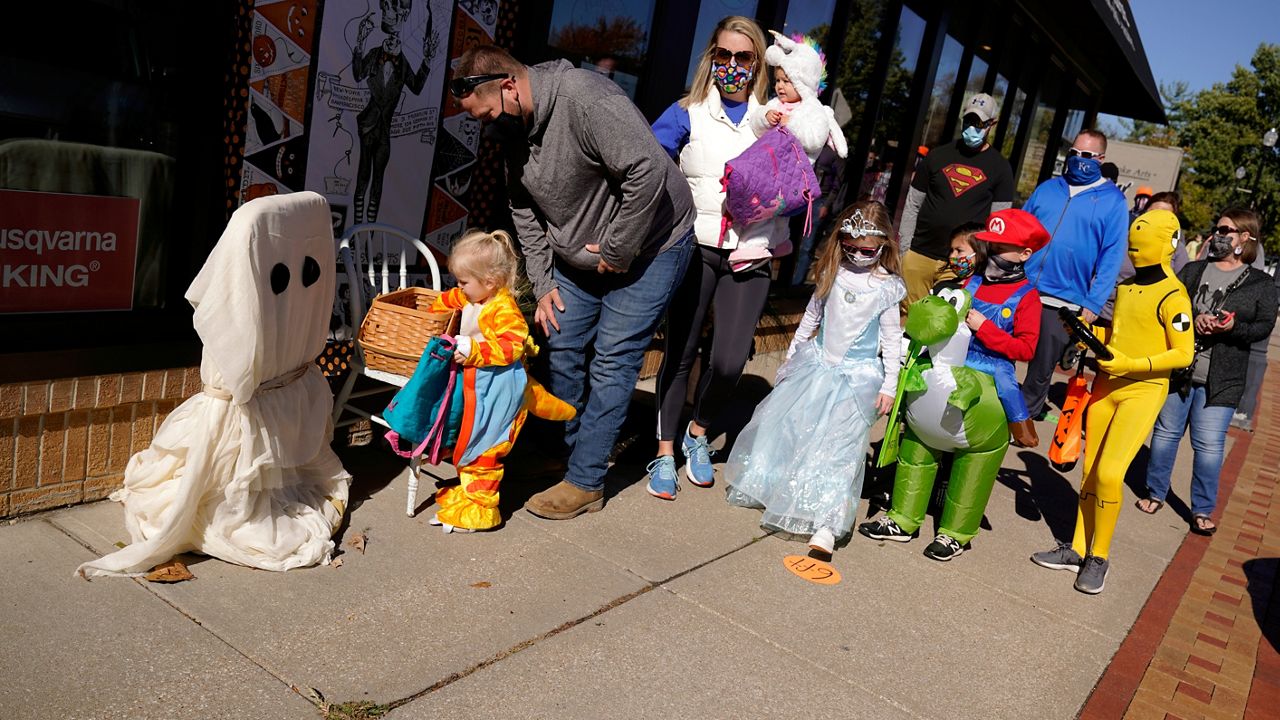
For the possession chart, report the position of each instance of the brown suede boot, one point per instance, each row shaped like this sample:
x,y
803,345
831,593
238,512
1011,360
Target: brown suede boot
x,y
564,500
1024,433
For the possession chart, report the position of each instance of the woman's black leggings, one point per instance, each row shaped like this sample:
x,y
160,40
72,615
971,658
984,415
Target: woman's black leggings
x,y
738,299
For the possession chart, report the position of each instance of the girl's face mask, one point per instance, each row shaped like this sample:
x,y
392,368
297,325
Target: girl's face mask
x,y
961,265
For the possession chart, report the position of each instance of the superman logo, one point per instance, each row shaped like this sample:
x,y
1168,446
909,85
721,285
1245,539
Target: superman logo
x,y
963,178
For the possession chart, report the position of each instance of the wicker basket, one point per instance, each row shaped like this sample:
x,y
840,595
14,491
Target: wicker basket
x,y
398,327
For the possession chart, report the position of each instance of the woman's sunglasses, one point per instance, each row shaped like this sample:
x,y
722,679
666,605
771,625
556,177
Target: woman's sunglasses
x,y
1087,155
1225,230
724,55
464,86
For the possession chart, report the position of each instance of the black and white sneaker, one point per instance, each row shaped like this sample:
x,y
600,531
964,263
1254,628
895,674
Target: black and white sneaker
x,y
1062,557
882,528
943,548
1093,575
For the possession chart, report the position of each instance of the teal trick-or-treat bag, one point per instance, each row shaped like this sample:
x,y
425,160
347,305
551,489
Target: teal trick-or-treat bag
x,y
427,412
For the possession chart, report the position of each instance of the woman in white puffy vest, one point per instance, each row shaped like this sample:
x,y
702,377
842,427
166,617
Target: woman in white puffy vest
x,y
705,129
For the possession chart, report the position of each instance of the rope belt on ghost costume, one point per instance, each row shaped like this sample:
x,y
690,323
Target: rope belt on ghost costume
x,y
274,383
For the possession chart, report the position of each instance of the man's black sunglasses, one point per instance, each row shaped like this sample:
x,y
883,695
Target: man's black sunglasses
x,y
464,86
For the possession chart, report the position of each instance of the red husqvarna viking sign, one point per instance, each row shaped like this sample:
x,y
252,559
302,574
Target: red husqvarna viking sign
x,y
66,253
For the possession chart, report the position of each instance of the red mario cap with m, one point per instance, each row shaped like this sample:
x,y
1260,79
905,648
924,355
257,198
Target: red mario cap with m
x,y
1015,227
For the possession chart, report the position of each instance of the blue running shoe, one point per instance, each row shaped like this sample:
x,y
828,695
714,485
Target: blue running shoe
x,y
663,482
697,466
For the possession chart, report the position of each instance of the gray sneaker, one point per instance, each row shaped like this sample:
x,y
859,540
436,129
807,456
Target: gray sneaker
x,y
1093,575
1059,558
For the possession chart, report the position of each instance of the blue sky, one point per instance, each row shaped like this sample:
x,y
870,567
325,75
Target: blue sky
x,y
1201,41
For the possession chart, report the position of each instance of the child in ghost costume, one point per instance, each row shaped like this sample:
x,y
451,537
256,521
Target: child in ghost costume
x,y
243,471
800,75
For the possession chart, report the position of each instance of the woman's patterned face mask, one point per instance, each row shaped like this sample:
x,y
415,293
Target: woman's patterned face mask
x,y
731,77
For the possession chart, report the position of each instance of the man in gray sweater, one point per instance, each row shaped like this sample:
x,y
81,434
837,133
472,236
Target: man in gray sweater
x,y
605,220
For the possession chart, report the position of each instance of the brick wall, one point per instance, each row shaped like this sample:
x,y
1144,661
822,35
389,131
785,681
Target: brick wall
x,y
67,441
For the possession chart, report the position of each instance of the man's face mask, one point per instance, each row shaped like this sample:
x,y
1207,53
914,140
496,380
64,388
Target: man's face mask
x,y
508,126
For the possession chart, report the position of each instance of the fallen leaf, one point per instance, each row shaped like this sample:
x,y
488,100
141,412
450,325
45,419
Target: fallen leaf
x,y
358,541
170,572
121,544
481,584
337,563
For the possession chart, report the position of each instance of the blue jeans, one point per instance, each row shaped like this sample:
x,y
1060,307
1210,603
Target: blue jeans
x,y
615,316
1208,436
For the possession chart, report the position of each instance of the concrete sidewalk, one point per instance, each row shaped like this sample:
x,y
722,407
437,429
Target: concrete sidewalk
x,y
648,609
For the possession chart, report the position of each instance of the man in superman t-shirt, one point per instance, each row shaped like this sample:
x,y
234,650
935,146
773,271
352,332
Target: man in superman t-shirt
x,y
960,182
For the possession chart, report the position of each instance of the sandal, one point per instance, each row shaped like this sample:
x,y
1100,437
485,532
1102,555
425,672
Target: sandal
x,y
1203,525
1151,509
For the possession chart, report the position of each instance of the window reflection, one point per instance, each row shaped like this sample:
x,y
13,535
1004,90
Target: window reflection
x,y
710,12
977,78
1074,124
1037,141
943,87
608,36
811,17
1015,121
851,84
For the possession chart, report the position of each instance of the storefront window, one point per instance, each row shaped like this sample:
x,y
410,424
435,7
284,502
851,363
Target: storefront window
x,y
1037,141
1000,89
100,139
711,12
977,78
944,86
1074,124
812,17
852,83
1015,121
609,36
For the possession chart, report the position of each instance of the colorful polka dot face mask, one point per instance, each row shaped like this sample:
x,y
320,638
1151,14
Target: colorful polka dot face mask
x,y
731,77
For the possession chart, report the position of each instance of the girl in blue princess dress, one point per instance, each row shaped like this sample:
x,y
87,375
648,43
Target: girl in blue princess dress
x,y
802,456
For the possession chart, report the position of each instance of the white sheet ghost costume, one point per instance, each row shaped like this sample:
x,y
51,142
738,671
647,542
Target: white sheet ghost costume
x,y
243,471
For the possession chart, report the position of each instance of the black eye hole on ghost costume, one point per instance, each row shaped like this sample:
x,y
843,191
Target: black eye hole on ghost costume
x,y
279,278
310,271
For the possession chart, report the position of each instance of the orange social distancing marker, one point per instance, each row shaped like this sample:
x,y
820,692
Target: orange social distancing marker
x,y
815,571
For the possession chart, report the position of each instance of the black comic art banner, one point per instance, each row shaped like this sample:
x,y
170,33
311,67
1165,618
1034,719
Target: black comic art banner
x,y
375,111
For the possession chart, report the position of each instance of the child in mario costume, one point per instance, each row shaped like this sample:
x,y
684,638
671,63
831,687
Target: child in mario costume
x,y
1150,336
1005,317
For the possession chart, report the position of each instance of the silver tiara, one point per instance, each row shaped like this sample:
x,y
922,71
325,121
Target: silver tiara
x,y
857,226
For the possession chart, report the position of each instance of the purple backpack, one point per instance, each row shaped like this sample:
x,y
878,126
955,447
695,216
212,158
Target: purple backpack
x,y
772,177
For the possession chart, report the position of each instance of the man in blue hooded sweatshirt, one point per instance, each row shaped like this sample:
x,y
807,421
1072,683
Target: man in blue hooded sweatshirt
x,y
1088,220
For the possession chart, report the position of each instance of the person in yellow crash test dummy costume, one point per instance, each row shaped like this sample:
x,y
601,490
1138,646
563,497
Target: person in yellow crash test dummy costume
x,y
493,340
1151,335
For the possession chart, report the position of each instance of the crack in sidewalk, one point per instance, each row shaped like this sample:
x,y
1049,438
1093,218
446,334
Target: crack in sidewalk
x,y
568,625
146,588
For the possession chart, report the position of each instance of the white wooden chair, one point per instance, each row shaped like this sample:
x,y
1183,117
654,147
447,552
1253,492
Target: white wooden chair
x,y
376,260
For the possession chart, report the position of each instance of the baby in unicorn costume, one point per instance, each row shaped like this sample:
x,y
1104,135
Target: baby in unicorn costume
x,y
800,75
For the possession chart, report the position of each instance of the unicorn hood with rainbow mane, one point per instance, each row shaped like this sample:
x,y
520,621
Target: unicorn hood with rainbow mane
x,y
809,121
802,60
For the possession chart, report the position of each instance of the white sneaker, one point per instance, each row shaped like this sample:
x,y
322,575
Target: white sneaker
x,y
824,541
435,521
